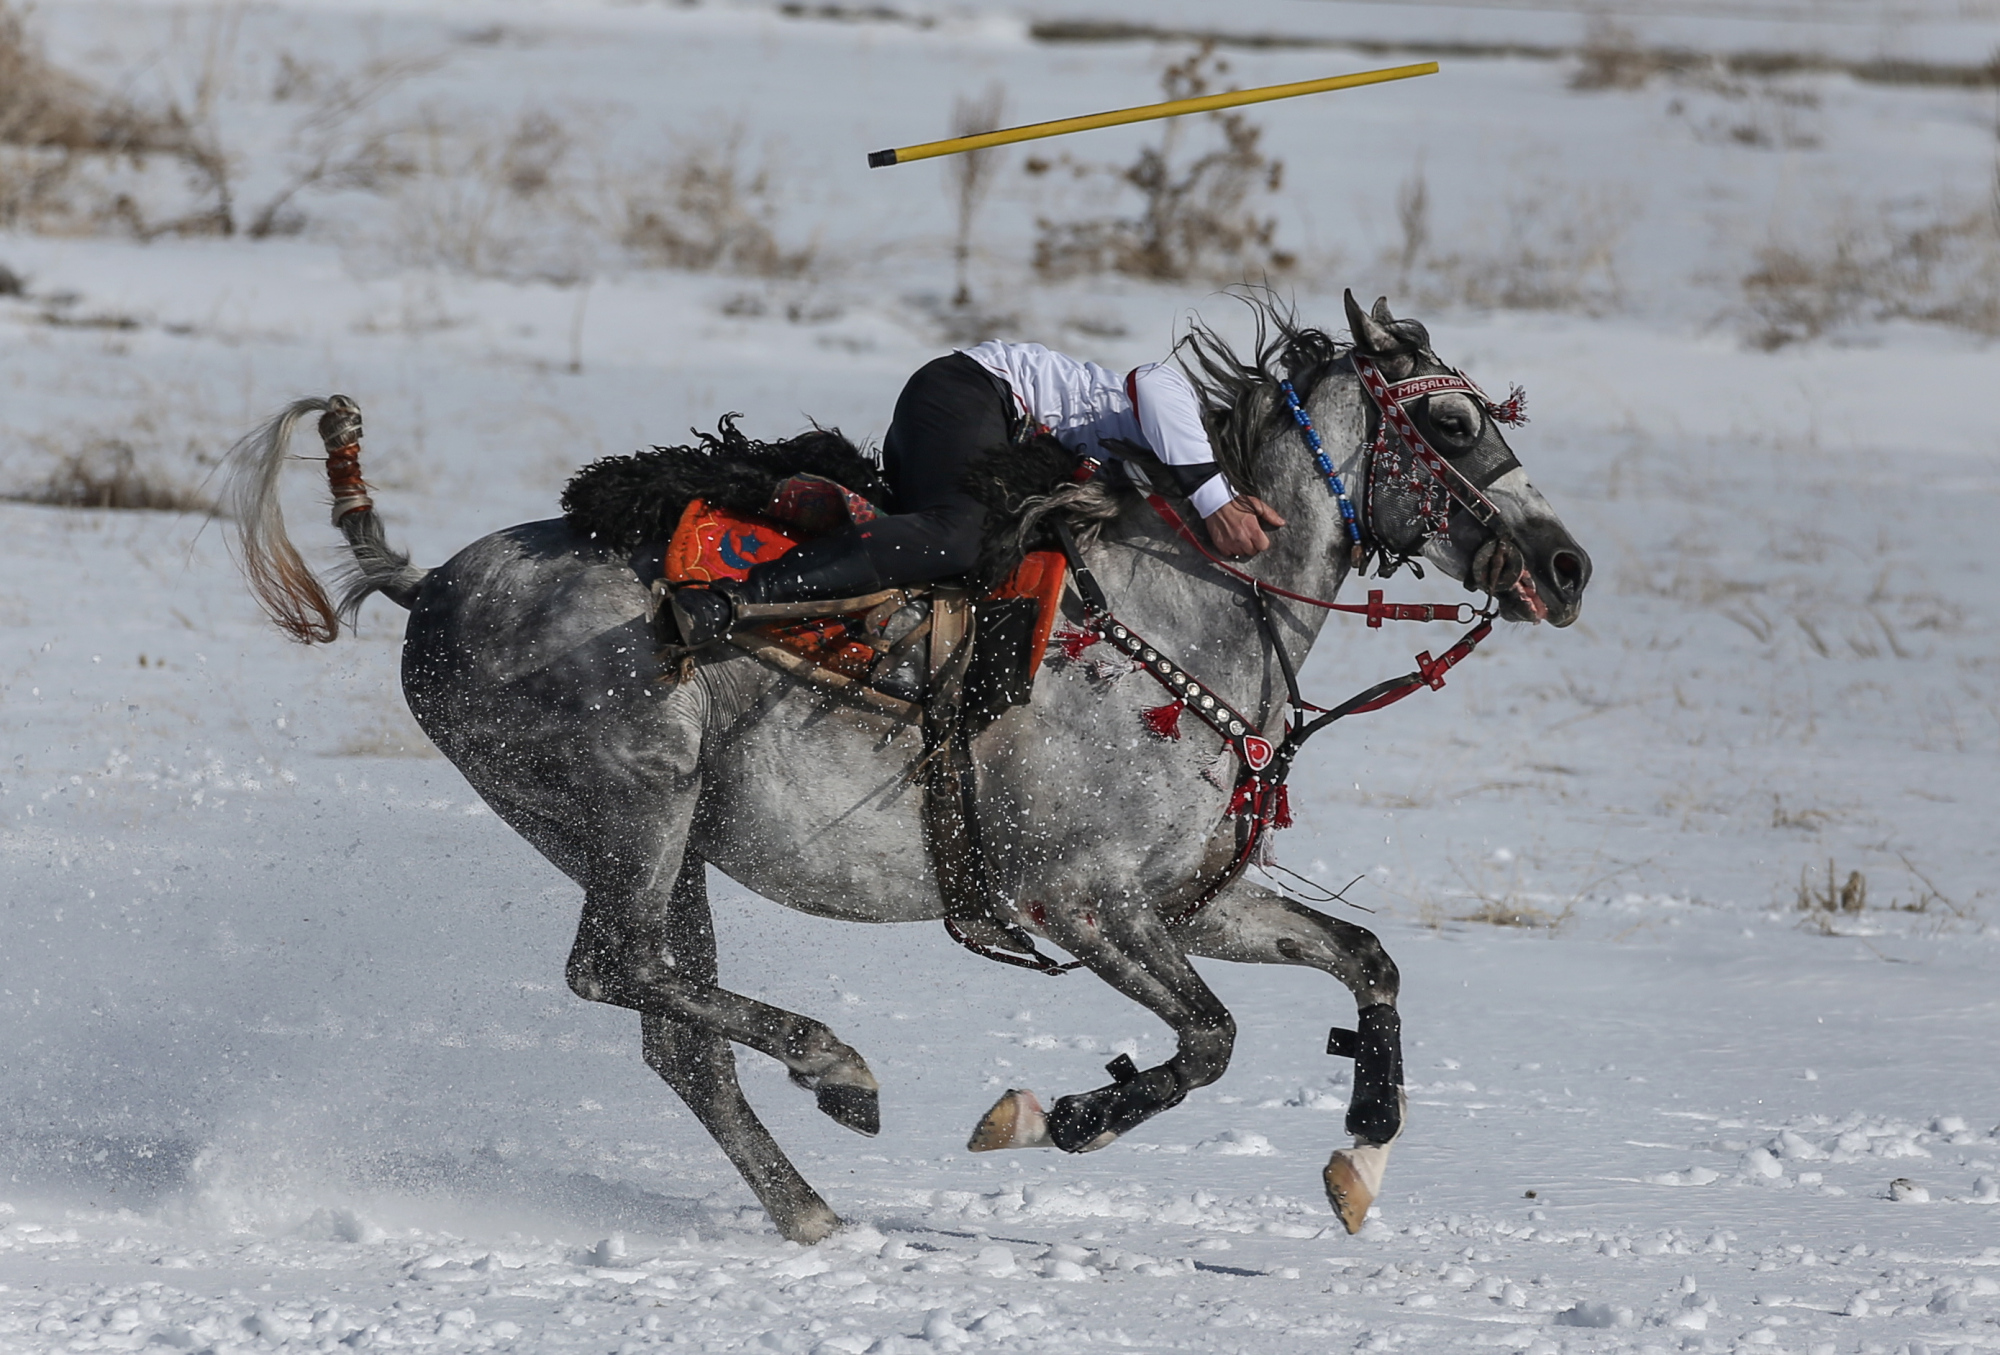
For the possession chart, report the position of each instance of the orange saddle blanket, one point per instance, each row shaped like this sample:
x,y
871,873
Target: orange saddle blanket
x,y
713,543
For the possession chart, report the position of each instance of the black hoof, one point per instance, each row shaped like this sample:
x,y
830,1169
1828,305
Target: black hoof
x,y
856,1108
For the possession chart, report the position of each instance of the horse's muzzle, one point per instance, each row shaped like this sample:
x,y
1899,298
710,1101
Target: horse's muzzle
x,y
1555,571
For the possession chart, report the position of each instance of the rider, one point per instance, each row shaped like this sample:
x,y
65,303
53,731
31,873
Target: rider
x,y
953,411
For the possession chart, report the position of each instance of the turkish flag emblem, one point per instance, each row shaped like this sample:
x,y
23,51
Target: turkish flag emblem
x,y
1256,752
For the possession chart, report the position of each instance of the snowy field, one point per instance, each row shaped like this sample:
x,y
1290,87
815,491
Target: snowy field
x,y
289,1057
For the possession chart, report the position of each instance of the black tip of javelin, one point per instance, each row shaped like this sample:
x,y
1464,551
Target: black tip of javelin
x,y
877,159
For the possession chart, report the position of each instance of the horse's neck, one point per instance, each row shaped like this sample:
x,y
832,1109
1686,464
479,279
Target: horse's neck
x,y
1203,618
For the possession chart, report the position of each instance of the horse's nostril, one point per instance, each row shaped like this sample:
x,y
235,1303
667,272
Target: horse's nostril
x,y
1568,567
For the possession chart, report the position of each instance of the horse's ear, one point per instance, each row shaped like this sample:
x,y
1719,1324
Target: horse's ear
x,y
1371,334
1381,313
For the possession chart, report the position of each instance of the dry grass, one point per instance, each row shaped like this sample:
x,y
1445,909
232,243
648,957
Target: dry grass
x,y
74,160
1554,248
1828,898
1938,263
112,473
1825,900
704,210
1199,217
970,178
53,125
45,108
491,203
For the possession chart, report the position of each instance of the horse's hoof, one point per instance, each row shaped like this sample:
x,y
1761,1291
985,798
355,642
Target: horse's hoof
x,y
1016,1121
1353,1179
856,1108
811,1226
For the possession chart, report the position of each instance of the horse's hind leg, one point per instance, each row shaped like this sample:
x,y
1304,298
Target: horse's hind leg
x,y
639,935
700,1065
1252,925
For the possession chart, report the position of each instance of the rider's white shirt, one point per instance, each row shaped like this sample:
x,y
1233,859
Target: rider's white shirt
x,y
1085,406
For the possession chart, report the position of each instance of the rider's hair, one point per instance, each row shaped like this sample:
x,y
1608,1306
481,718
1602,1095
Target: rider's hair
x,y
1240,402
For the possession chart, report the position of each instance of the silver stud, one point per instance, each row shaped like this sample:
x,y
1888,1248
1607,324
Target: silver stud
x,y
1208,703
1236,727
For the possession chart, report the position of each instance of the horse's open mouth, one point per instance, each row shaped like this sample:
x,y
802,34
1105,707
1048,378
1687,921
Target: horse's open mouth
x,y
1522,593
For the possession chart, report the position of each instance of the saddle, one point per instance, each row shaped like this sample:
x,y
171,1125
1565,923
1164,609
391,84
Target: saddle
x,y
946,658
896,651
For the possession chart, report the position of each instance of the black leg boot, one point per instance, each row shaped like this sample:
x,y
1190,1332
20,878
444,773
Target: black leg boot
x,y
836,566
833,566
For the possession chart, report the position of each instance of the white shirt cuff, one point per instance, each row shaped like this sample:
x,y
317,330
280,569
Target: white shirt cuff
x,y
1213,493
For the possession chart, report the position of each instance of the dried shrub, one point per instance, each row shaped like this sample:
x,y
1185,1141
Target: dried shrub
x,y
107,473
508,203
1612,58
331,148
1826,896
970,177
46,108
705,211
1198,217
1938,264
53,125
1556,249
76,161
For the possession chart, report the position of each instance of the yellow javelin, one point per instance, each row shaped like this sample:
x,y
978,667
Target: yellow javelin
x,y
1145,113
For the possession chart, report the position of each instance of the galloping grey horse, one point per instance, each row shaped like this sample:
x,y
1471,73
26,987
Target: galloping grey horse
x,y
529,661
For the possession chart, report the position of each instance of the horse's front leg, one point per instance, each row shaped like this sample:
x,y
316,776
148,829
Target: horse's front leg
x,y
1252,925
1127,946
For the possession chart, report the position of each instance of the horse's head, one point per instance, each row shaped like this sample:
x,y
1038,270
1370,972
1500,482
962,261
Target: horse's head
x,y
1472,512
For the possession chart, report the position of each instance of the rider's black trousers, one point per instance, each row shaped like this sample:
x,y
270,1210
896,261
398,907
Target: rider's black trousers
x,y
951,412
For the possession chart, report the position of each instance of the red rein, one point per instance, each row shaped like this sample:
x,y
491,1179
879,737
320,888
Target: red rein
x,y
1375,609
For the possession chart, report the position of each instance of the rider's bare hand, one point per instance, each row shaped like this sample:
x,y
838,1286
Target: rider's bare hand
x,y
1237,528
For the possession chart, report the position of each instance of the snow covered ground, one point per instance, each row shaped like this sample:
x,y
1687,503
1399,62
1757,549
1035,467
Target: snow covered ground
x,y
289,1058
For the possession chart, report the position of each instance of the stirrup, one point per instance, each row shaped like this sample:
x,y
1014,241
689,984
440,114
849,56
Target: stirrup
x,y
703,614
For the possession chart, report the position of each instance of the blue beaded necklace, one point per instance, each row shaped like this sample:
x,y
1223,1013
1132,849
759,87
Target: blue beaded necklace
x,y
1333,483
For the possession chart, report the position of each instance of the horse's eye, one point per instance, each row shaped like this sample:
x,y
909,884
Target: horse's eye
x,y
1456,420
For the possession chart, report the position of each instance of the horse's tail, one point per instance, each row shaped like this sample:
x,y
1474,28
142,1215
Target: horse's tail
x,y
284,584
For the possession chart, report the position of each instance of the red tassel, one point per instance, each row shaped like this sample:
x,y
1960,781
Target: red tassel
x,y
1281,817
1073,642
1244,796
1513,411
1165,721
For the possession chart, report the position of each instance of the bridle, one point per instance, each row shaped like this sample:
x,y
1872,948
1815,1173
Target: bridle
x,y
1260,802
1414,465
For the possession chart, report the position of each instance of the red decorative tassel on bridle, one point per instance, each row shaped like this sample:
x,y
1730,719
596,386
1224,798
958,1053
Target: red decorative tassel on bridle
x,y
1243,797
1072,642
1165,721
1513,411
1272,806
